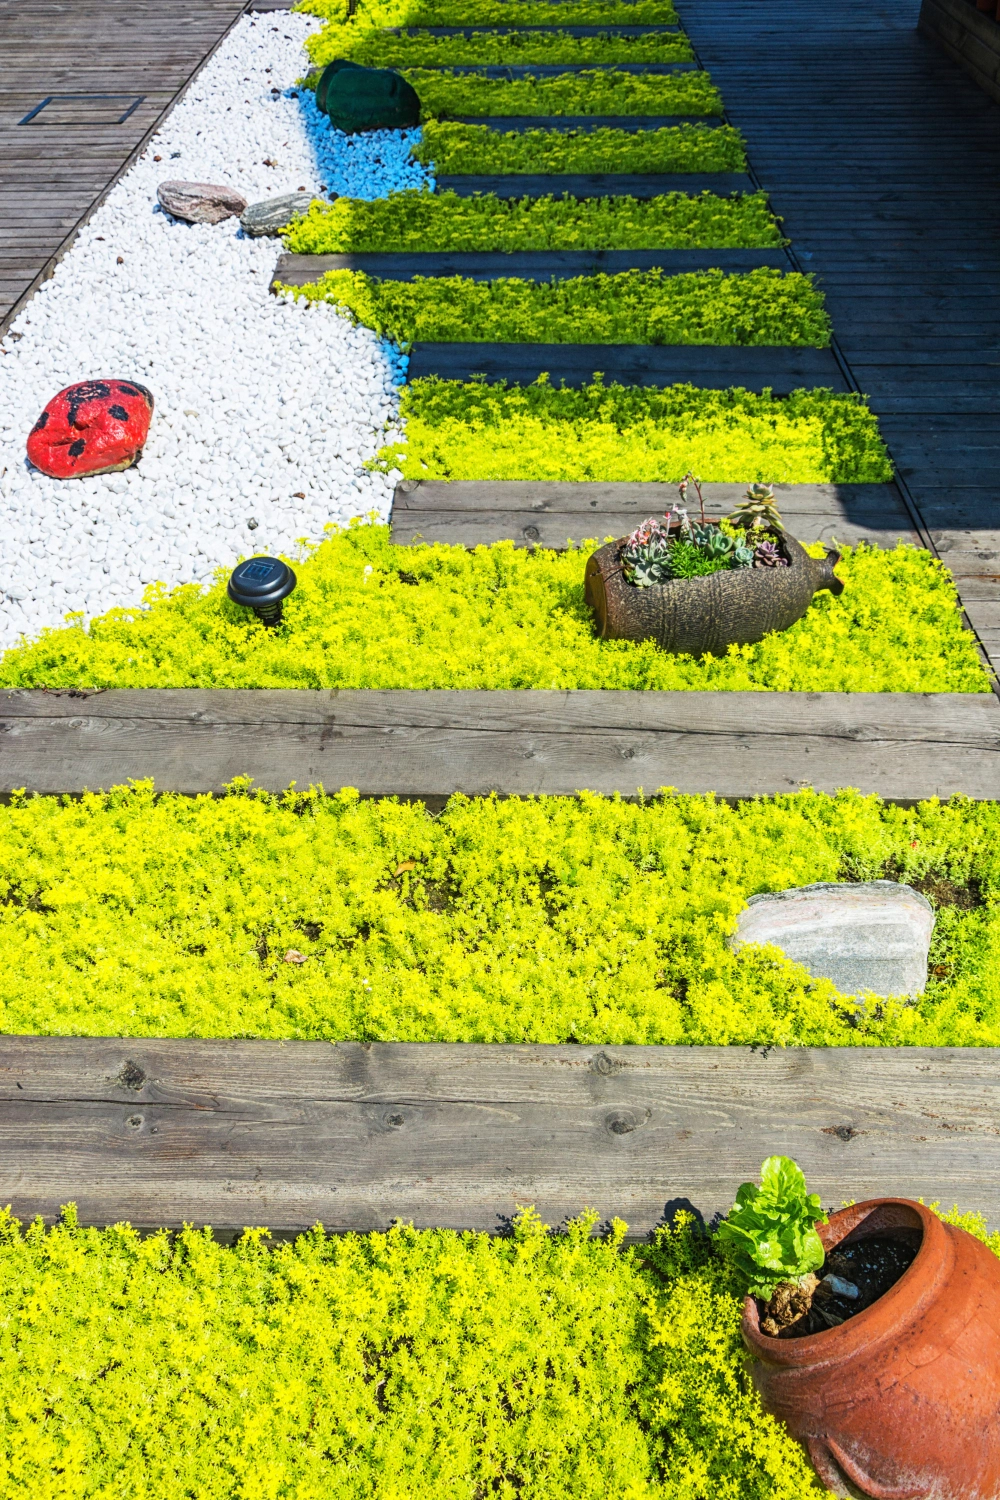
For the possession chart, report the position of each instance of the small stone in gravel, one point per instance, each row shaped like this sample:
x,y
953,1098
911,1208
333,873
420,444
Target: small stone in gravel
x,y
873,935
272,214
200,202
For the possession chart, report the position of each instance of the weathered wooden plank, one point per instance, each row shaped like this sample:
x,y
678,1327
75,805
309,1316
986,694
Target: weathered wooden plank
x,y
595,184
558,529
534,265
548,514
878,155
713,367
112,47
550,495
431,744
354,1136
969,37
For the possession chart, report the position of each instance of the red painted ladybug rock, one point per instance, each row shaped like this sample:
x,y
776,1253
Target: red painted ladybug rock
x,y
96,427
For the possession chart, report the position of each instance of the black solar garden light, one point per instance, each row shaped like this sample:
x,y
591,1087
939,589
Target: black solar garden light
x,y
260,584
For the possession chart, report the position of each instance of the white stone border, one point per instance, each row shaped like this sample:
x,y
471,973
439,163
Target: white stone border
x,y
265,410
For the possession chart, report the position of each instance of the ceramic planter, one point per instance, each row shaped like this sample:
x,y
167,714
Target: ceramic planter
x,y
705,615
902,1401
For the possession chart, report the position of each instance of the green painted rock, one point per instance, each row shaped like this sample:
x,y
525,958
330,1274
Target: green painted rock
x,y
359,98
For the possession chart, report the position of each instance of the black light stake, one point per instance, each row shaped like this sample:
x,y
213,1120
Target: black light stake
x,y
260,584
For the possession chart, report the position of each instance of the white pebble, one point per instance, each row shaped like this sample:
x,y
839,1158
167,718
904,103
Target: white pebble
x,y
257,398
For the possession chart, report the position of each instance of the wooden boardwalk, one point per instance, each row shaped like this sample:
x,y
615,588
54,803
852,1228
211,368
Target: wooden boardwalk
x,y
111,71
881,157
429,744
286,1134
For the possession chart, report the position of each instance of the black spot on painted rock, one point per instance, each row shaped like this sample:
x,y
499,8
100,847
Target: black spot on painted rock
x,y
75,449
89,390
43,421
118,412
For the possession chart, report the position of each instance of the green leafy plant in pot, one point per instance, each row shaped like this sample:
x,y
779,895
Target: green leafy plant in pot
x,y
770,1237
875,1338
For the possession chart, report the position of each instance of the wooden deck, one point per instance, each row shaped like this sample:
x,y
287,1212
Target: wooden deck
x,y
547,514
97,63
881,157
286,1134
429,744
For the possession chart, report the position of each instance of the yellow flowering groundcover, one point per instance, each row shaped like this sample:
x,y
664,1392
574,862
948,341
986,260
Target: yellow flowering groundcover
x,y
545,920
382,1366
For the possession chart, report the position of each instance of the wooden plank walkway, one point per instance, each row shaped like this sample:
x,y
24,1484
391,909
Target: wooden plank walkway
x,y
534,265
429,744
57,168
881,156
547,514
711,366
594,184
285,1134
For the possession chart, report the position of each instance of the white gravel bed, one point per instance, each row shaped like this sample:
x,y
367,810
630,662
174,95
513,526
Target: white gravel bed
x,y
265,409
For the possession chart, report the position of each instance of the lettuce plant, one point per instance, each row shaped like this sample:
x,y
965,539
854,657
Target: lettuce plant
x,y
770,1231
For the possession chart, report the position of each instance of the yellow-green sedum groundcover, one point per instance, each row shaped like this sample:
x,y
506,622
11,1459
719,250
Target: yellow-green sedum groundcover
x,y
385,1367
552,919
370,614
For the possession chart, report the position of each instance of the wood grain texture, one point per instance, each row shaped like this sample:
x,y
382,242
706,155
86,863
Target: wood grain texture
x,y
55,170
968,36
710,366
534,265
429,744
288,1134
549,514
595,184
879,153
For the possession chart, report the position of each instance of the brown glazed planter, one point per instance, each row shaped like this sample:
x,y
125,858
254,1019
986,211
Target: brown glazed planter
x,y
901,1402
699,615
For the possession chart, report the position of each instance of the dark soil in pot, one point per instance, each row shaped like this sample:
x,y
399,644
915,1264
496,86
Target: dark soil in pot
x,y
848,1282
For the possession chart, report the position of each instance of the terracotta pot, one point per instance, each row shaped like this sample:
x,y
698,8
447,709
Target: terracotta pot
x,y
698,615
901,1402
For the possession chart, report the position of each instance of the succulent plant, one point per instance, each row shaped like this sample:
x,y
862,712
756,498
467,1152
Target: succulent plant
x,y
646,554
758,511
712,541
742,556
768,555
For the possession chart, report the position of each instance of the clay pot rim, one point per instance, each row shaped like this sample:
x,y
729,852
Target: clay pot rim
x,y
884,1318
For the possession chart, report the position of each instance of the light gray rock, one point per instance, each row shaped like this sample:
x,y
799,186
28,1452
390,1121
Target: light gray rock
x,y
200,202
871,936
272,214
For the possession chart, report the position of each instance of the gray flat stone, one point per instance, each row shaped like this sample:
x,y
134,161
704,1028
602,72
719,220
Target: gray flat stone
x,y
272,214
200,202
873,936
